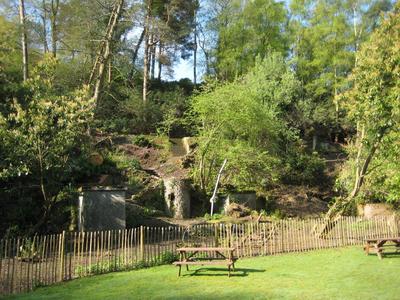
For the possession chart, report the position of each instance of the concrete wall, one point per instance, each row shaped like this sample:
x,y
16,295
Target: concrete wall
x,y
102,210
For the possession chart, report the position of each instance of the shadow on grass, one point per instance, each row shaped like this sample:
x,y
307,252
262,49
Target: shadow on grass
x,y
239,272
391,255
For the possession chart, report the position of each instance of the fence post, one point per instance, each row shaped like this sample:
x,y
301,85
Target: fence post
x,y
216,234
141,243
62,242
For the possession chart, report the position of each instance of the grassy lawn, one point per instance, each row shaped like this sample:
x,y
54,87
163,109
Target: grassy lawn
x,y
327,274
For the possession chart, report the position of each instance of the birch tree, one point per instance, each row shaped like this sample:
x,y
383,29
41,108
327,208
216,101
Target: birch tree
x,y
24,42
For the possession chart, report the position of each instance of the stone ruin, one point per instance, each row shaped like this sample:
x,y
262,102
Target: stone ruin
x,y
177,197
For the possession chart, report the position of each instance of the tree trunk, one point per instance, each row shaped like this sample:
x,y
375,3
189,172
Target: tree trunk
x,y
44,33
159,61
336,100
105,49
195,52
336,210
356,34
314,141
109,71
146,51
136,51
24,42
53,24
153,56
214,195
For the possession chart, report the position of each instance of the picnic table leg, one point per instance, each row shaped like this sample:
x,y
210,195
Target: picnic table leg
x,y
366,248
378,248
229,270
397,243
187,266
231,259
180,259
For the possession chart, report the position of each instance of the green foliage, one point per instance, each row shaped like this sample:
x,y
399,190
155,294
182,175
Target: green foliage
x,y
247,30
118,263
46,130
373,105
246,122
122,161
214,217
141,141
325,38
41,138
10,70
29,250
122,109
302,168
278,214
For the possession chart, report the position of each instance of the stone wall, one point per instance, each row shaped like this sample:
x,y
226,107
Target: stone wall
x,y
177,197
371,210
248,199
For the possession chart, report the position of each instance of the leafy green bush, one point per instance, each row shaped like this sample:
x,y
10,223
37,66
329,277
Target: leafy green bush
x,y
246,122
302,168
278,214
41,140
208,217
142,141
167,257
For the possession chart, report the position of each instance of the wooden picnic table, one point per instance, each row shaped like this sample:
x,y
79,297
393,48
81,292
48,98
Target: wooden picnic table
x,y
189,256
378,245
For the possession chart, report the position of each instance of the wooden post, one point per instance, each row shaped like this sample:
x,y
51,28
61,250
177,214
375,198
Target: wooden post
x,y
141,243
216,234
1,260
13,255
97,241
109,249
62,252
29,269
49,261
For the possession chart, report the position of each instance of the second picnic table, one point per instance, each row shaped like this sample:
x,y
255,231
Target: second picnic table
x,y
377,245
189,256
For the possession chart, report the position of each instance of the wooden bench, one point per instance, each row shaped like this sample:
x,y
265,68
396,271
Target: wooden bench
x,y
379,245
187,257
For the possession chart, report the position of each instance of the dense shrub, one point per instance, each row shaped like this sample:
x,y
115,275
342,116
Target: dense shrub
x,y
246,122
303,168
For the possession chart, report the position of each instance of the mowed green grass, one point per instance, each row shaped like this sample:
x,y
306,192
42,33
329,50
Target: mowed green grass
x,y
326,274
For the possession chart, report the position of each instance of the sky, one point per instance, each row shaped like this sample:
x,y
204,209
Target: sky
x,y
184,69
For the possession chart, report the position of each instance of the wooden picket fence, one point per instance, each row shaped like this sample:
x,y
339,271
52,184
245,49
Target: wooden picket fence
x,y
26,263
